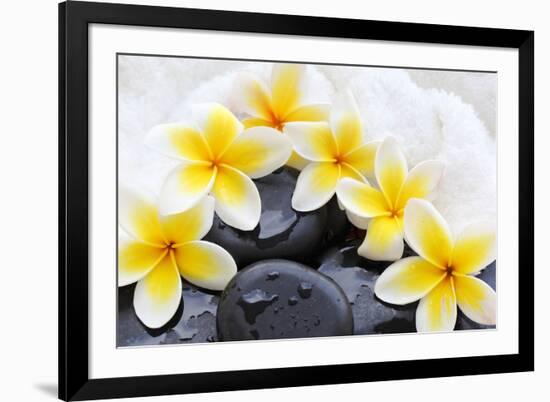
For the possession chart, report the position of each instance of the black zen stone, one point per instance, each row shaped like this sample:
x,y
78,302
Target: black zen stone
x,y
488,275
194,321
274,299
357,276
281,233
338,224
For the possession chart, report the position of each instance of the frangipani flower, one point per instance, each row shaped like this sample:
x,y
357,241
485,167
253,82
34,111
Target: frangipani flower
x,y
286,100
155,250
384,240
334,151
220,159
442,276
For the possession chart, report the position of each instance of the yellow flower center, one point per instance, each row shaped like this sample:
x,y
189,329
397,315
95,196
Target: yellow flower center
x,y
396,213
170,245
277,124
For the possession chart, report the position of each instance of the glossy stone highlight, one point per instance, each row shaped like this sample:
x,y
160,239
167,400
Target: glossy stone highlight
x,y
357,276
282,231
298,302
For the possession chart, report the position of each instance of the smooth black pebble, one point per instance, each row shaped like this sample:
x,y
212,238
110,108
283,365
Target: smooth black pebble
x,y
281,233
296,302
338,225
488,275
357,277
193,322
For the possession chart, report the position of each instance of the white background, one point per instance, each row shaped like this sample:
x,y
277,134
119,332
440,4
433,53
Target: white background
x,y
28,158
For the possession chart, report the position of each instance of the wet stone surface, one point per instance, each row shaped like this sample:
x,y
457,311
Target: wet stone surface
x,y
194,321
488,275
281,233
338,225
278,298
357,276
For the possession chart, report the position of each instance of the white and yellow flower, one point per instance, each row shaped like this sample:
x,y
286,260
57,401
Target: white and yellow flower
x,y
220,159
333,150
443,275
155,250
286,100
384,207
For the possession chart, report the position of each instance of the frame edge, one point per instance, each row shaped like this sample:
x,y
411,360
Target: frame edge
x,y
62,334
74,383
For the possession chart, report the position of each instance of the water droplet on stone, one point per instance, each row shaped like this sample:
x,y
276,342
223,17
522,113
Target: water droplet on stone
x,y
299,314
272,276
254,303
292,300
305,289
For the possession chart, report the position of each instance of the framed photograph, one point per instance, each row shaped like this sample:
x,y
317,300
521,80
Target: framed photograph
x,y
257,200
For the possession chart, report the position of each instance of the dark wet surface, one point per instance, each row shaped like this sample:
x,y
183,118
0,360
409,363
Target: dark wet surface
x,y
194,320
338,225
298,303
281,233
357,277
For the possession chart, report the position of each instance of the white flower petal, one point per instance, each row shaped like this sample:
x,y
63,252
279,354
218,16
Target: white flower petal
x,y
237,199
475,248
158,295
193,224
139,217
218,126
312,112
358,221
361,199
315,186
135,259
407,280
287,88
363,157
296,161
476,299
421,182
258,151
205,264
391,169
185,186
345,122
428,233
437,312
384,240
179,141
252,97
312,140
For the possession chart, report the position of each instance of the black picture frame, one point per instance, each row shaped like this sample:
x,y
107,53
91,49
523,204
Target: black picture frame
x,y
74,18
